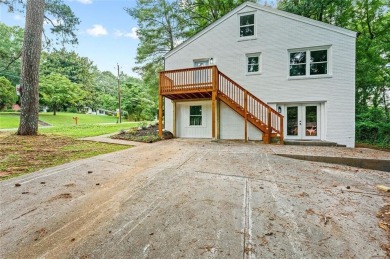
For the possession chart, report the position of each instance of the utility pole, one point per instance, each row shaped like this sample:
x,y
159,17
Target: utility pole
x,y
119,98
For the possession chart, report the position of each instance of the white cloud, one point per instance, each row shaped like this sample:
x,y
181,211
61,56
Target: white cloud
x,y
132,34
82,1
97,30
18,17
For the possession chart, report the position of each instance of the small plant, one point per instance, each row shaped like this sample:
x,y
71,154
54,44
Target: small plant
x,y
143,125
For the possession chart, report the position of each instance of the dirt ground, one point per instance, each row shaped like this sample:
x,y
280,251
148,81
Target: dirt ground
x,y
194,199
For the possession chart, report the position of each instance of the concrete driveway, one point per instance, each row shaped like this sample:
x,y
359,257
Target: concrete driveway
x,y
193,199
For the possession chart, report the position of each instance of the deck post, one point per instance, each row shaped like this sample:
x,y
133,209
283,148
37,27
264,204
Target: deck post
x,y
174,118
281,130
214,102
269,126
246,115
160,115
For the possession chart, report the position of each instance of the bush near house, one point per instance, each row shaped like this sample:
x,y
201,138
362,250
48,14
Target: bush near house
x,y
373,127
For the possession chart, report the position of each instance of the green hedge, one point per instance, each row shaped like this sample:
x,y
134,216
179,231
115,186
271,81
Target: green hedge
x,y
377,133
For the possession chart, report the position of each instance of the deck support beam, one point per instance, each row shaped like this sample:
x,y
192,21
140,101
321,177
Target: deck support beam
x,y
246,115
160,115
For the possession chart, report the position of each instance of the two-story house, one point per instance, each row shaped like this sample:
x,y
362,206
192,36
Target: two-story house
x,y
260,73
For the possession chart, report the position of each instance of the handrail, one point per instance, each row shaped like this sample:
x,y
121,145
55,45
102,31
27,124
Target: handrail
x,y
210,79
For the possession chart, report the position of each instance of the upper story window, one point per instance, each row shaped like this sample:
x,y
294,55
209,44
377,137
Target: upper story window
x,y
247,25
253,63
196,115
309,62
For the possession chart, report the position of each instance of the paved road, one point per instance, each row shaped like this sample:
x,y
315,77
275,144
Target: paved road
x,y
193,199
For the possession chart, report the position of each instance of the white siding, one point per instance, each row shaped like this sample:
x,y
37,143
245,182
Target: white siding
x,y
233,126
183,128
275,36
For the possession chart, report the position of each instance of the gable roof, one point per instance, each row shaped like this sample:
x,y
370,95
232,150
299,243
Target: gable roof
x,y
268,10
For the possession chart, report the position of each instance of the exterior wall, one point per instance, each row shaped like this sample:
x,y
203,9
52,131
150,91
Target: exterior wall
x,y
275,35
232,125
183,128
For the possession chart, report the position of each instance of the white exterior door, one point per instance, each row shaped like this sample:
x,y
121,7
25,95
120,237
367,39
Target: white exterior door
x,y
302,121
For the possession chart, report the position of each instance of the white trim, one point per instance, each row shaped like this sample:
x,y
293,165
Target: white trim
x,y
308,50
252,37
250,55
295,17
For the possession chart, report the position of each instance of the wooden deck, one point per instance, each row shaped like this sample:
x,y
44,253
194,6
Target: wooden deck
x,y
209,83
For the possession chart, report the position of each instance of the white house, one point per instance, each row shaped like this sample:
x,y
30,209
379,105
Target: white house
x,y
259,73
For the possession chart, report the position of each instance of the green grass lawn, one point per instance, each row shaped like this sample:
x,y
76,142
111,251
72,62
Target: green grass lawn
x,y
82,131
66,119
64,124
9,120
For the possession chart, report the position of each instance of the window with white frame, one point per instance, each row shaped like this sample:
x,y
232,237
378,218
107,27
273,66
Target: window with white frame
x,y
196,115
247,25
253,63
309,62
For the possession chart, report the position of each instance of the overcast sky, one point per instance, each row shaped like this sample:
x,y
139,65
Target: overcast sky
x,y
107,34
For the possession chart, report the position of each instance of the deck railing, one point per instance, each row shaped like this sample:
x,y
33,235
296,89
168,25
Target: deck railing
x,y
184,80
208,78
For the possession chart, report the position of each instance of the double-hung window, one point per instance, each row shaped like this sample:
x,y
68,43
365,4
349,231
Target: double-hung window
x,y
309,62
247,25
253,63
196,115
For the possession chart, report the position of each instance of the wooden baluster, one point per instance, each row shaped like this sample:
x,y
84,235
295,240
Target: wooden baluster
x,y
246,116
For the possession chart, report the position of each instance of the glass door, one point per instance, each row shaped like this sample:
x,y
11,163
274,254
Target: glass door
x,y
201,76
302,121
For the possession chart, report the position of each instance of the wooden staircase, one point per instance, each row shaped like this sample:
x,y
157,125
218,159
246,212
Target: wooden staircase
x,y
211,83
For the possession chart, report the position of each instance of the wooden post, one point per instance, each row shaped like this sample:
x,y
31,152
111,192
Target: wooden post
x,y
213,114
214,102
281,130
174,118
160,115
269,126
246,115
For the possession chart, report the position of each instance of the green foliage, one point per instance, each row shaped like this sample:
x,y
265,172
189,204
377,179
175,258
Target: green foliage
x,y
137,102
57,90
201,13
11,42
374,133
7,93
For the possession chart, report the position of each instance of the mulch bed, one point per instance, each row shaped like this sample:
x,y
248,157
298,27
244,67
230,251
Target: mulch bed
x,y
146,134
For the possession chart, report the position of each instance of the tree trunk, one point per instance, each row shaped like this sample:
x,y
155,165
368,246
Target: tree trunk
x,y
29,79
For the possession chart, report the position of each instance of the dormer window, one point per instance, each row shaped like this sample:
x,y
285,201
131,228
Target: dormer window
x,y
247,25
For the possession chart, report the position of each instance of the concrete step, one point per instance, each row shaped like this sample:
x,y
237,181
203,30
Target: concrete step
x,y
301,142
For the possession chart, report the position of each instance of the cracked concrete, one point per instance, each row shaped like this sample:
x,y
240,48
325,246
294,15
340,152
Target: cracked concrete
x,y
193,199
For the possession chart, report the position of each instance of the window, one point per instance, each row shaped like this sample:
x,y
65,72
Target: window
x,y
196,115
253,63
300,65
247,25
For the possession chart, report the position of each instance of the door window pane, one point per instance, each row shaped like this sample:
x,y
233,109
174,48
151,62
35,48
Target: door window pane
x,y
311,120
196,115
247,25
292,121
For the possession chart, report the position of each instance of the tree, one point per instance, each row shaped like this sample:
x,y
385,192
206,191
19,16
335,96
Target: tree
x,y
161,28
7,93
201,13
29,80
56,90
32,46
10,52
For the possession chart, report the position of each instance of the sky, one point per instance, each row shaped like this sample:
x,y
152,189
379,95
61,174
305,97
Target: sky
x,y
106,34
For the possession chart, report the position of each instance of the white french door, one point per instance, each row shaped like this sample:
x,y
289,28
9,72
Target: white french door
x,y
302,121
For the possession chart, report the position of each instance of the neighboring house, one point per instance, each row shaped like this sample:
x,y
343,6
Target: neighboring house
x,y
89,110
260,73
